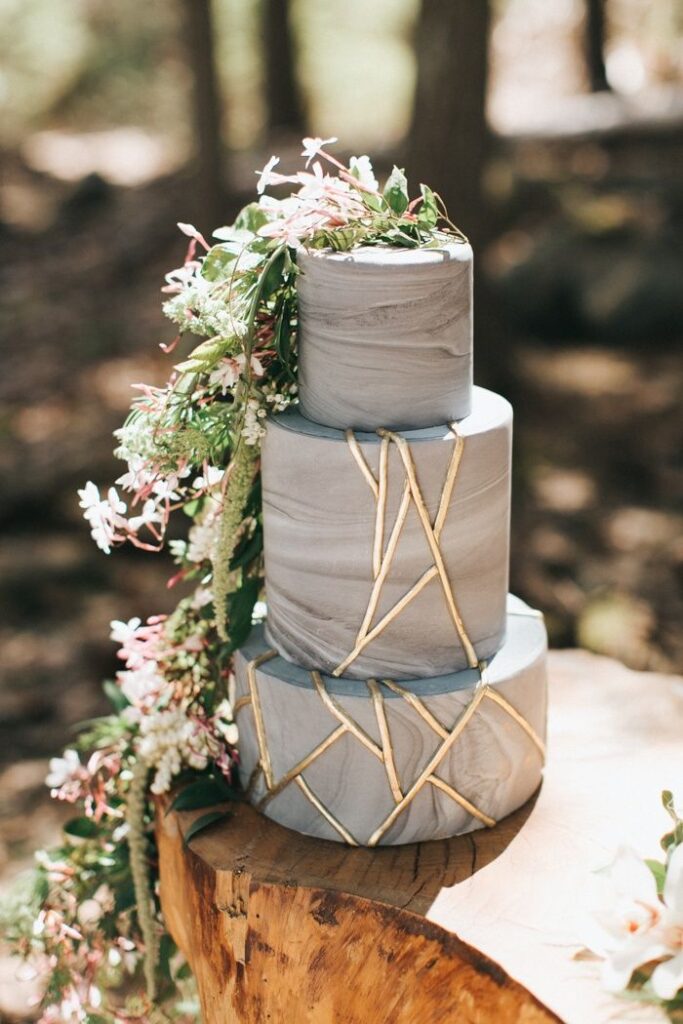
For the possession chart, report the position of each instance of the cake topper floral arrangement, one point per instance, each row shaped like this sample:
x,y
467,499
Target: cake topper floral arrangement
x,y
89,918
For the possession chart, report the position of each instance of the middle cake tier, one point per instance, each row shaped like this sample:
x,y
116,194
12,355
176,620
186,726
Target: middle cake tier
x,y
386,554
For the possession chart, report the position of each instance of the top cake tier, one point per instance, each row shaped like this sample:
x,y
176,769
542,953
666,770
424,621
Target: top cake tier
x,y
385,336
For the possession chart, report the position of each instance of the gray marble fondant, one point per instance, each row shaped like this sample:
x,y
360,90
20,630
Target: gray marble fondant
x,y
493,763
385,336
319,516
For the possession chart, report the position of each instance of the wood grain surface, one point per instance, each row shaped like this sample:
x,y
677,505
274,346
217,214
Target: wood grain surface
x,y
486,927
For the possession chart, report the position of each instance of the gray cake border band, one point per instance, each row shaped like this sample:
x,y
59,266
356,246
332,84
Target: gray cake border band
x,y
292,675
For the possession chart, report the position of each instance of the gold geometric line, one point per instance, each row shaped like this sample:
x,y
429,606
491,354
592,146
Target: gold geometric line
x,y
381,508
308,792
447,488
362,464
339,713
409,465
422,710
241,702
429,769
497,698
284,781
462,800
264,755
387,748
385,562
393,612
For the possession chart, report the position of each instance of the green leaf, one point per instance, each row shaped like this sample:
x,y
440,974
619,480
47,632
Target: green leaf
x,y
240,610
428,214
247,550
203,793
396,191
116,697
251,218
193,507
659,872
83,828
203,822
217,262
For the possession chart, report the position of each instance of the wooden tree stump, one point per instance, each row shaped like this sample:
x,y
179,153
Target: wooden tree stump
x,y
482,928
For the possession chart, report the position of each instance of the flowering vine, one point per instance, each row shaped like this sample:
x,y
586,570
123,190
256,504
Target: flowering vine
x,y
91,920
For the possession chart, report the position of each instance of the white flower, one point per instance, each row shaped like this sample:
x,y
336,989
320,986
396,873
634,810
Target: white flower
x,y
89,912
312,147
124,632
361,168
210,478
634,927
229,370
667,979
264,175
149,514
253,430
142,686
105,515
62,769
202,537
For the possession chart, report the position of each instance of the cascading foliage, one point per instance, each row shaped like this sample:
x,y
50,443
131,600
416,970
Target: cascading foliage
x,y
89,920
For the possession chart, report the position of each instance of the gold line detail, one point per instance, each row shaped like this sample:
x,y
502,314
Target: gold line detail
x,y
422,710
327,815
387,748
466,804
404,451
339,713
264,756
241,703
431,766
380,511
306,762
521,721
362,464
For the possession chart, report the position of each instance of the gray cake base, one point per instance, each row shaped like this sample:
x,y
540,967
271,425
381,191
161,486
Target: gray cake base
x,y
367,764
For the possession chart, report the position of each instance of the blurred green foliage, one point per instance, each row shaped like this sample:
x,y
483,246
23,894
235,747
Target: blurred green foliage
x,y
91,64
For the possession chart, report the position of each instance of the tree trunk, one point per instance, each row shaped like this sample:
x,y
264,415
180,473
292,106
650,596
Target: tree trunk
x,y
206,114
283,101
594,42
448,136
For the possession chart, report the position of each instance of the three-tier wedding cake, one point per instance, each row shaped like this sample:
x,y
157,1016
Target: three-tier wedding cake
x,y
396,692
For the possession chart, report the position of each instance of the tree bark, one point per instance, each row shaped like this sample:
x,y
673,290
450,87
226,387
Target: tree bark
x,y
594,42
206,113
283,100
448,136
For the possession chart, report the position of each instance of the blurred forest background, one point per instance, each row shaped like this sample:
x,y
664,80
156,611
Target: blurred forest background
x,y
555,132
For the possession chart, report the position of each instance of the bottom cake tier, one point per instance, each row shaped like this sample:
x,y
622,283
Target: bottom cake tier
x,y
376,763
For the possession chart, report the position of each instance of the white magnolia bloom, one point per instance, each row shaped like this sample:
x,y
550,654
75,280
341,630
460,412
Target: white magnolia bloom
x,y
361,168
667,979
124,632
633,926
62,769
